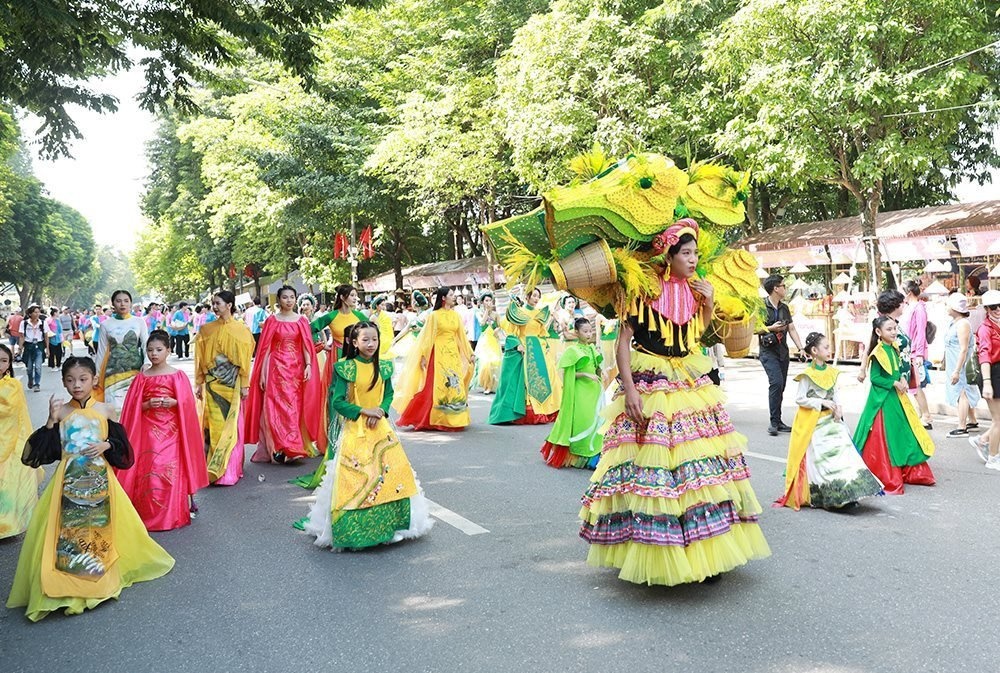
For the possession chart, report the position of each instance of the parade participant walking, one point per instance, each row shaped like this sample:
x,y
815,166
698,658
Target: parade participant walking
x,y
824,468
161,419
54,335
916,330
284,381
488,353
434,384
369,494
774,358
85,542
321,352
222,380
18,482
670,501
405,340
384,321
894,444
575,440
180,323
961,388
988,348
34,346
121,350
528,393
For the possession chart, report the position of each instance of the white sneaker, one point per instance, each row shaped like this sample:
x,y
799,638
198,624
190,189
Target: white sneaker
x,y
993,462
979,447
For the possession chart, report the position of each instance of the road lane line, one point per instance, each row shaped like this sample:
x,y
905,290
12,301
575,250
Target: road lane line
x,y
455,520
764,456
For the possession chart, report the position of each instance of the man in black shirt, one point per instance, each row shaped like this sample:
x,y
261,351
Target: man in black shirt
x,y
774,349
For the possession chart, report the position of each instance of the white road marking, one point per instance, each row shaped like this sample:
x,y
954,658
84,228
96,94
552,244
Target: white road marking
x,y
764,456
456,520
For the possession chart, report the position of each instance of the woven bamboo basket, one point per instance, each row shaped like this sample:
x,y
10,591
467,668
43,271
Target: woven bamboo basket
x,y
736,337
590,266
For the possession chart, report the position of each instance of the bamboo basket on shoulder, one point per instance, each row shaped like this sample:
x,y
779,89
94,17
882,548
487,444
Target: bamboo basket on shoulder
x,y
737,336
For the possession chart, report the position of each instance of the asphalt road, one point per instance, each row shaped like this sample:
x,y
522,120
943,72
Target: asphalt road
x,y
900,584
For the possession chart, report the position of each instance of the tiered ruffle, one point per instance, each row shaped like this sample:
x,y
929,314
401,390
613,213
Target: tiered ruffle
x,y
670,501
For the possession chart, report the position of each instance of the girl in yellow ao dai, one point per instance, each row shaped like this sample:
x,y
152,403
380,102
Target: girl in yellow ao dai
x,y
85,542
435,381
18,482
369,494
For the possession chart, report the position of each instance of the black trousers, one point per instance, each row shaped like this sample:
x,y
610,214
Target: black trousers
x,y
775,364
55,356
182,344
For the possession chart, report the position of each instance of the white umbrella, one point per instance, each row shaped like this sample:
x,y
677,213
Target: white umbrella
x,y
842,279
995,272
799,285
936,288
762,272
842,297
800,268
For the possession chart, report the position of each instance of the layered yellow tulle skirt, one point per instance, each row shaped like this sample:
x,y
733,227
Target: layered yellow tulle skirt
x,y
670,501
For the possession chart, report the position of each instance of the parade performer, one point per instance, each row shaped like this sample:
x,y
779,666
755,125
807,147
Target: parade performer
x,y
529,392
284,381
121,350
321,351
222,380
405,340
893,442
670,501
575,440
343,315
824,468
85,542
369,494
384,322
18,482
161,419
488,353
434,384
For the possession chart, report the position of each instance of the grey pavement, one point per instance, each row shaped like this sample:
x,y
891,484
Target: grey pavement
x,y
900,584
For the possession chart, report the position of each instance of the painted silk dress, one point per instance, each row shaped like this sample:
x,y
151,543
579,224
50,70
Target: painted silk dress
x,y
529,392
575,439
330,424
18,482
121,352
85,542
489,356
221,369
823,468
169,451
670,501
279,418
369,494
892,440
437,398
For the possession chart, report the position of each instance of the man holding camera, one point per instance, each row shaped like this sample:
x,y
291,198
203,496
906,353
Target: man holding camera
x,y
774,348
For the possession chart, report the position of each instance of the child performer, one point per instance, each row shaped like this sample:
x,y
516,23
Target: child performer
x,y
18,483
161,419
575,440
488,353
824,468
85,542
892,440
369,494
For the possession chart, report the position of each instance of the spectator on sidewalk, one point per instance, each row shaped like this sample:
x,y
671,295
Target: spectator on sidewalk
x,y
988,345
774,357
916,331
959,343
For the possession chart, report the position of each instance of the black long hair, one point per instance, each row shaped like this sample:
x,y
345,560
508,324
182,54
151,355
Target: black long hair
x,y
676,247
82,362
342,292
439,296
228,298
351,351
281,289
877,324
159,335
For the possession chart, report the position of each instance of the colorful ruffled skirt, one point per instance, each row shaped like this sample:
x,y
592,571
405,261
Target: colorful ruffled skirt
x,y
670,501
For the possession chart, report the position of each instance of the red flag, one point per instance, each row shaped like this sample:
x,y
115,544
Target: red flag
x,y
365,243
232,271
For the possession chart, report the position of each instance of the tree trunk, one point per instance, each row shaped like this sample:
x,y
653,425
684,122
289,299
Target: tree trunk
x,y
869,202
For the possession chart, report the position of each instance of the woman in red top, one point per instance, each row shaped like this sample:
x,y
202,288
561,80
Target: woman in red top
x,y
988,344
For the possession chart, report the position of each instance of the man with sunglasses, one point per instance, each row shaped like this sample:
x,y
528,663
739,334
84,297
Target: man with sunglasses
x,y
988,349
774,349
